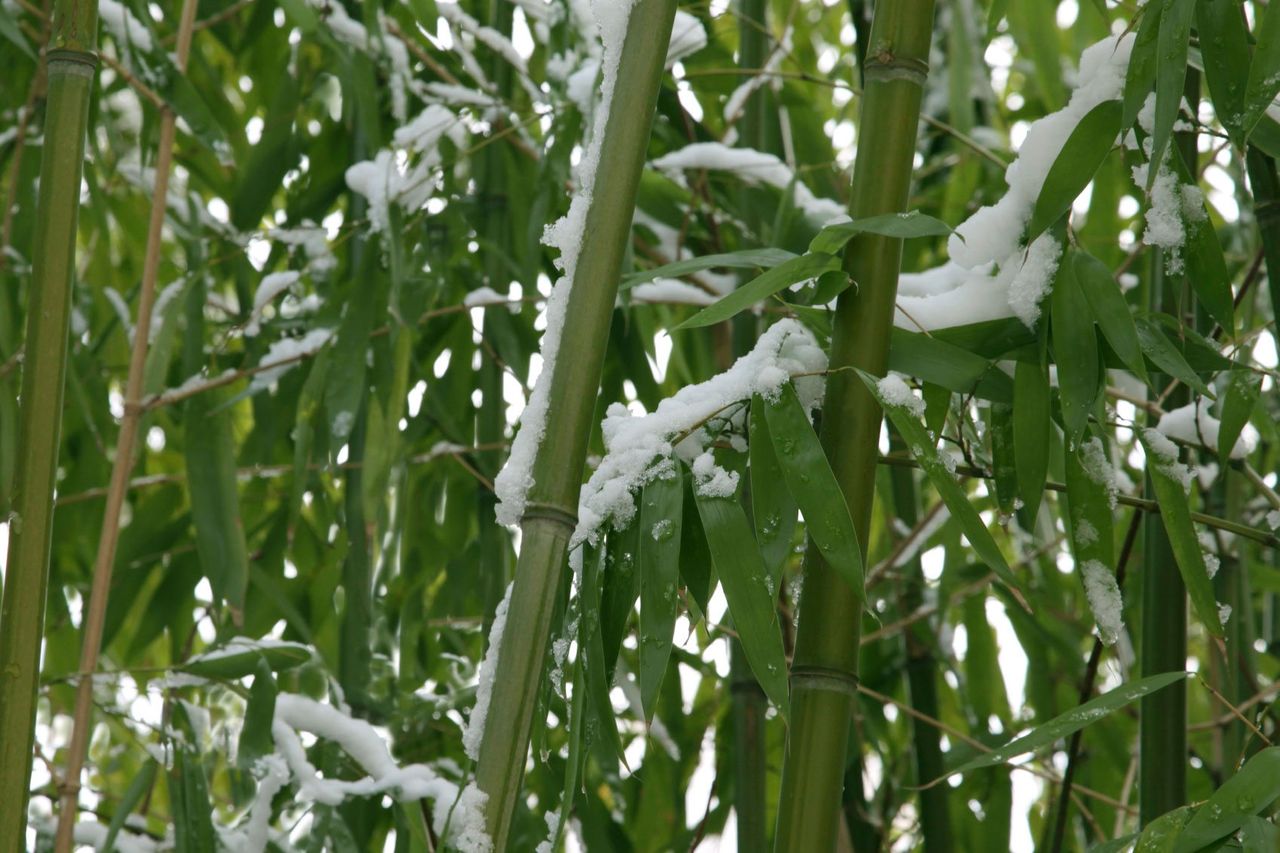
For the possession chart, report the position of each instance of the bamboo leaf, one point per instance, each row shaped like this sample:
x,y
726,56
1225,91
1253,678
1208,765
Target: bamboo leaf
x,y
1264,72
215,503
1141,74
1206,265
133,796
661,505
773,509
1031,425
1243,389
189,791
1004,466
1075,352
597,663
237,660
1175,514
744,259
1078,161
1110,310
746,588
1258,835
1224,46
833,238
1115,845
1070,722
1247,793
695,558
1165,356
817,492
256,739
957,501
10,30
954,368
1171,74
763,286
1161,834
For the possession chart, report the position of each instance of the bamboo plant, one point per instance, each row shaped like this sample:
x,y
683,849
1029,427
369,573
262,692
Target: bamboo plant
x,y
71,62
824,672
557,471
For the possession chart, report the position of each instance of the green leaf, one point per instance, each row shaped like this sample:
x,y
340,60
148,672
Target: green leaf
x,y
238,659
133,796
1088,506
1004,467
809,478
1161,834
1078,161
210,451
1205,263
1264,73
695,558
1115,845
1165,356
1224,48
189,791
1075,352
177,90
1243,388
1247,793
746,588
1171,73
1175,514
661,506
256,739
598,661
1110,311
1141,74
1031,426
773,510
1072,721
923,450
833,238
1258,835
955,368
745,259
10,30
761,287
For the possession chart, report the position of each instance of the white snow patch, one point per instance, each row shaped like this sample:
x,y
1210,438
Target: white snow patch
x,y
474,733
1104,599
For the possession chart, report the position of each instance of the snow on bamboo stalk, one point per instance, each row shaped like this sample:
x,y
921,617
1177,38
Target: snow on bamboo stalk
x,y
539,485
70,67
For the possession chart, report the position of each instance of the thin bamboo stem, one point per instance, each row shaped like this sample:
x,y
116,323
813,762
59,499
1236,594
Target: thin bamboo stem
x,y
824,674
122,466
557,472
71,63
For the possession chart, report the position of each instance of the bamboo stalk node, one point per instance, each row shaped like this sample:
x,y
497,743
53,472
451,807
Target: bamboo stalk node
x,y
825,679
885,65
557,515
82,63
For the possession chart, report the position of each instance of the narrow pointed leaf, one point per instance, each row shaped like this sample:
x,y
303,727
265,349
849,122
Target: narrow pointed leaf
x,y
1175,514
661,516
256,739
1171,73
1264,72
1161,834
901,225
1247,793
923,450
592,646
745,259
695,558
215,502
773,509
1140,77
1072,721
1031,425
1075,352
1243,388
762,287
133,796
10,30
1165,356
1110,310
1258,835
1116,845
1205,262
1224,47
809,478
1077,162
1003,460
746,588
236,660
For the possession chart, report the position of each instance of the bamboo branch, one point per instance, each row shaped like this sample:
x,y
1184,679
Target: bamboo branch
x,y
126,440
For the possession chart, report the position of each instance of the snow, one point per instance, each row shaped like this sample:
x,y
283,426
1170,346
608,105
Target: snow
x,y
640,448
894,392
737,101
294,713
242,645
1273,519
1166,457
487,36
1097,467
1034,279
1224,612
123,26
671,290
314,243
484,296
283,354
269,288
1192,423
1086,533
712,481
687,37
1104,599
474,733
94,834
753,167
516,477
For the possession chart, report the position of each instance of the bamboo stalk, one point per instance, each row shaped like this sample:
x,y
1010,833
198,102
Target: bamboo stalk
x,y
71,63
122,466
1162,729
549,519
824,675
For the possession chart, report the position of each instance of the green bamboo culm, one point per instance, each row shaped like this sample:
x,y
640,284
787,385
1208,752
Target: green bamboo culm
x,y
1162,729
550,517
71,64
824,673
